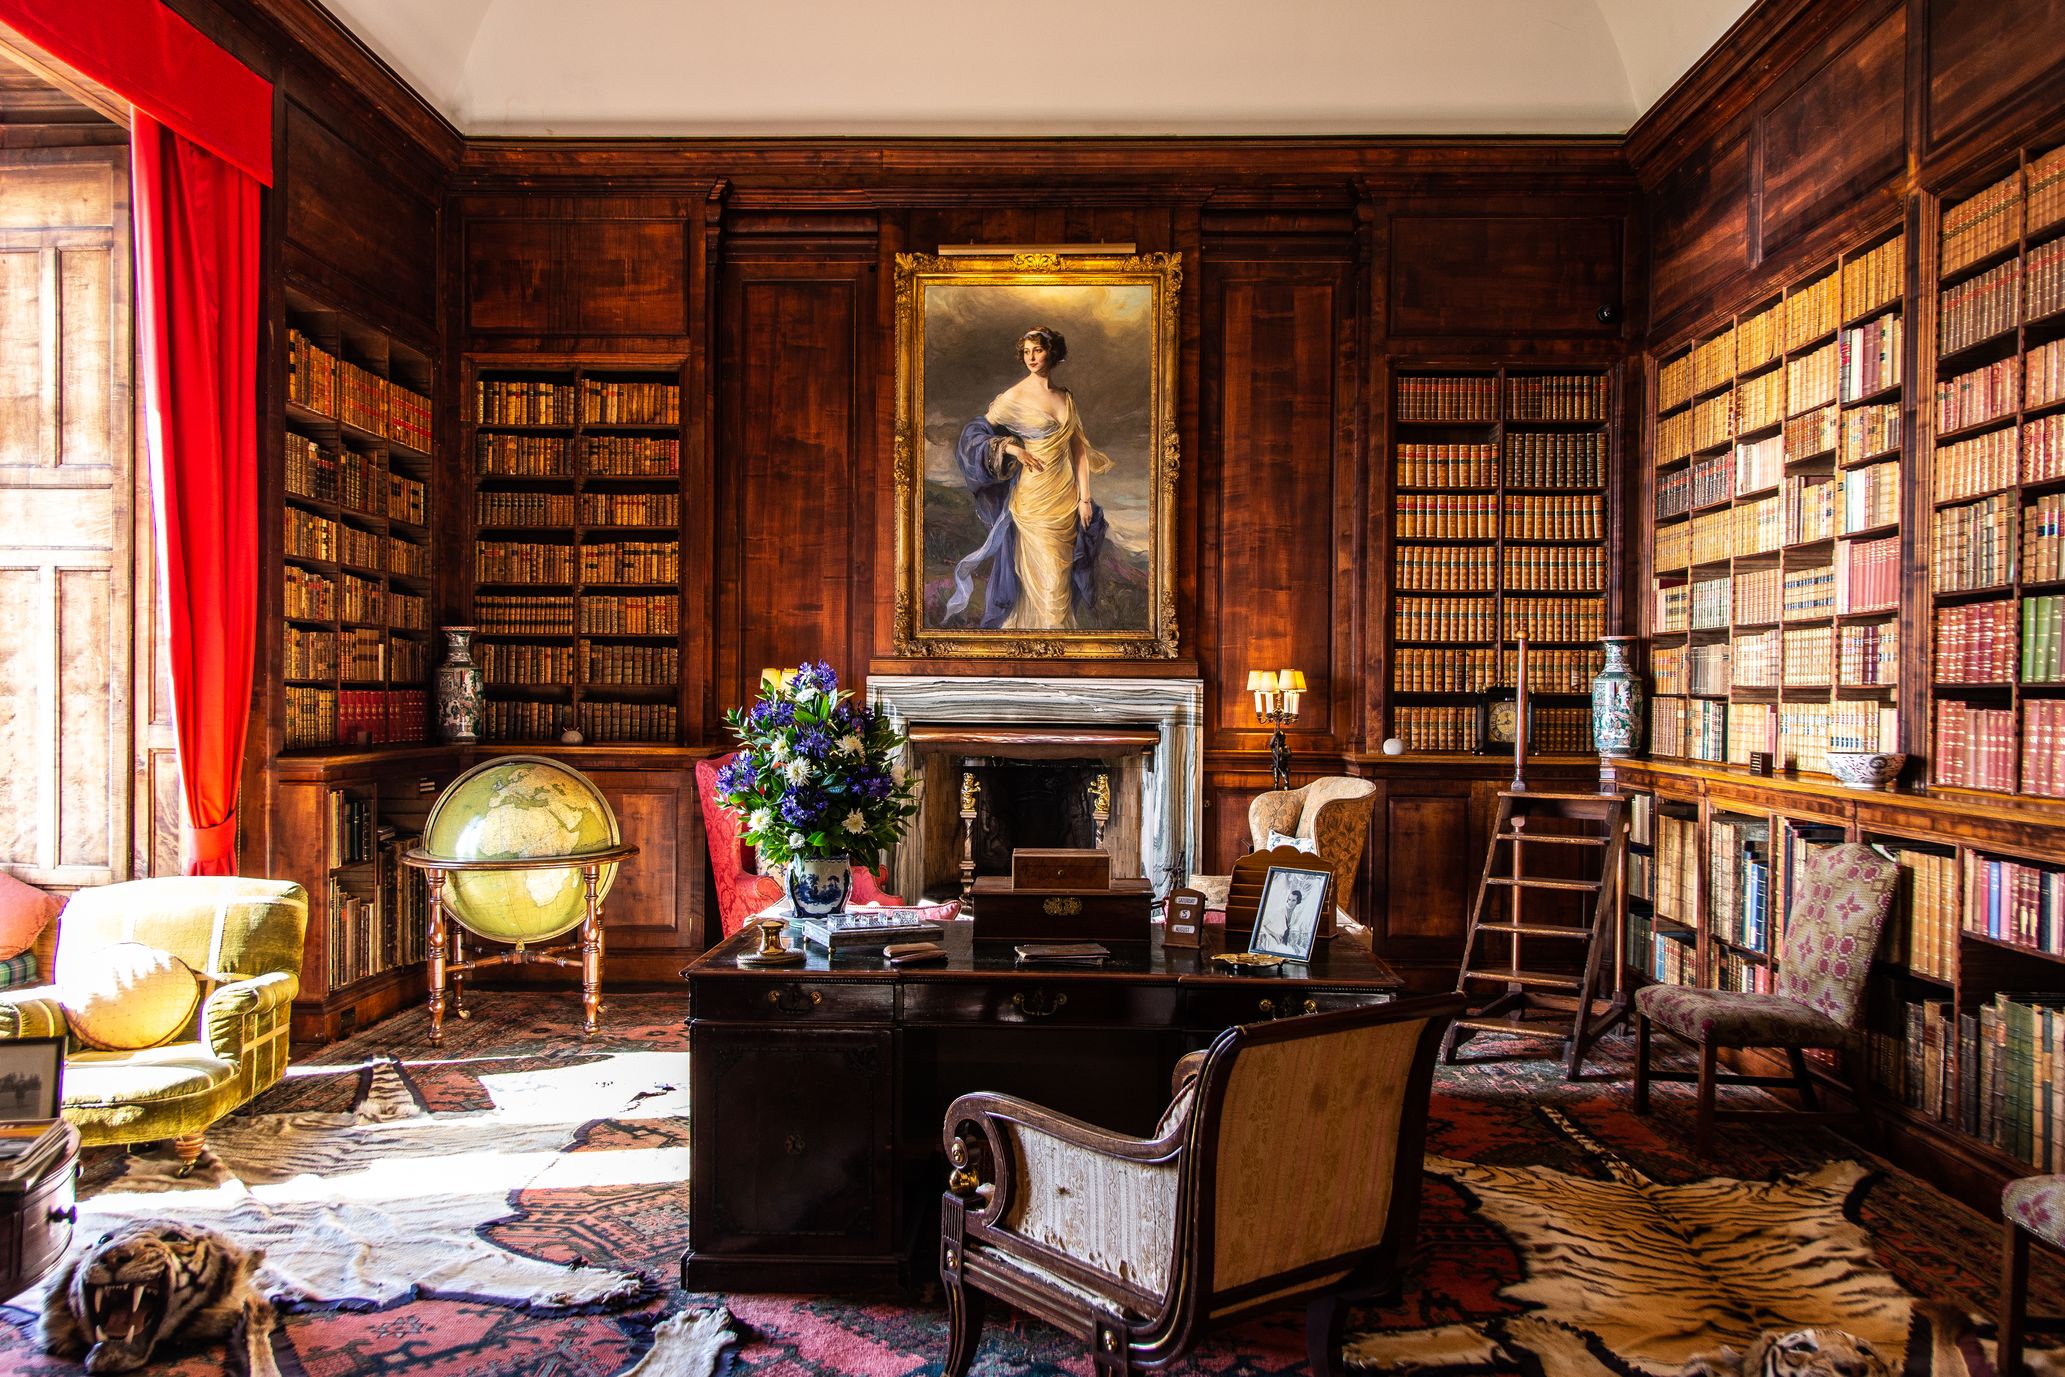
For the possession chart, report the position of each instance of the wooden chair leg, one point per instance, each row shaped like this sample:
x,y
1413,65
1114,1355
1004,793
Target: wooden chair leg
x,y
1801,1082
964,1309
1326,1319
2014,1299
1641,1063
1703,1125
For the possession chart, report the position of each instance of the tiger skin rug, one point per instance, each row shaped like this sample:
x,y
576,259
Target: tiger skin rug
x,y
1628,1275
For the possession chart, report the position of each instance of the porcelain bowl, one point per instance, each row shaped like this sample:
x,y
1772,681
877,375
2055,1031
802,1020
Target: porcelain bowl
x,y
1866,769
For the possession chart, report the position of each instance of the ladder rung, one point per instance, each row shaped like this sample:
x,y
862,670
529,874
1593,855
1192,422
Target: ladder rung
x,y
1557,1027
1546,839
1542,978
1536,930
1524,882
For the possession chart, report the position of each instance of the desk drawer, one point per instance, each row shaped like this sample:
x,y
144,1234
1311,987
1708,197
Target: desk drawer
x,y
776,1000
1046,1003
1260,1001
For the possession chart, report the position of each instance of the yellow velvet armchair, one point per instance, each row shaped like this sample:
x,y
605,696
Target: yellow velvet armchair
x,y
245,936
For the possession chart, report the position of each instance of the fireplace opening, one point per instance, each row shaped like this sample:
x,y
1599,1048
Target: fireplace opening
x,y
1035,803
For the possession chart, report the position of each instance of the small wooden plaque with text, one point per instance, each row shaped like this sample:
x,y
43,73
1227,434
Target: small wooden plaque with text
x,y
1183,923
1760,763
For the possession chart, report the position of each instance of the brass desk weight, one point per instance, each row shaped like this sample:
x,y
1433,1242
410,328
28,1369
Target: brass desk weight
x,y
772,951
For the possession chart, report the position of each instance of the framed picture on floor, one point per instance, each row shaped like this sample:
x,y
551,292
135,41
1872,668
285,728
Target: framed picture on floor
x,y
1287,919
1036,455
31,1072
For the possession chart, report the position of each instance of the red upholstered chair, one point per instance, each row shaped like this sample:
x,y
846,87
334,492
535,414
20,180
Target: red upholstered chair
x,y
741,892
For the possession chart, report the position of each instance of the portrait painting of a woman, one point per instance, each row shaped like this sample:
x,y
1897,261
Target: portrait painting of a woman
x,y
1028,466
1035,408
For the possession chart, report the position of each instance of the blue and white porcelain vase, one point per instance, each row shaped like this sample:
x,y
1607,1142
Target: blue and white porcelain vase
x,y
818,885
461,692
1617,702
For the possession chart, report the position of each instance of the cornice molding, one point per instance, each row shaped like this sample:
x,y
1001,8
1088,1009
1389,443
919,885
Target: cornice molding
x,y
303,29
1757,49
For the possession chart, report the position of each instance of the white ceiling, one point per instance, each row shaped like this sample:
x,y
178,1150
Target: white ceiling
x,y
726,68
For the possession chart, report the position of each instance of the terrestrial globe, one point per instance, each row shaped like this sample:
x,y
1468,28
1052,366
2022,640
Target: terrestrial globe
x,y
518,807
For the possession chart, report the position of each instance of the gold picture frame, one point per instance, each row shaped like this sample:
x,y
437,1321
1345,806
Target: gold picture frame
x,y
996,465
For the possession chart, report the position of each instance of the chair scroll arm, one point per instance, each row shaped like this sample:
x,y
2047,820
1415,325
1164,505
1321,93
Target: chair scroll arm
x,y
227,1008
1276,811
981,1175
31,1013
1188,1068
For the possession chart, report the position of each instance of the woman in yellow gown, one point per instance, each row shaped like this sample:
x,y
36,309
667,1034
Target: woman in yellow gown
x,y
1028,465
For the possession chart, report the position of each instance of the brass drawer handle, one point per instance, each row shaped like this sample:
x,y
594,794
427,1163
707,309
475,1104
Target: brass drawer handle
x,y
1268,1008
794,1001
1042,1004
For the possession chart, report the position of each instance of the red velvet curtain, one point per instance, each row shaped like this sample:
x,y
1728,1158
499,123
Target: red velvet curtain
x,y
197,333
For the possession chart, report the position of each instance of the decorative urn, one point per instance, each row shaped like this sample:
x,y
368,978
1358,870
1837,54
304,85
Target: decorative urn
x,y
461,691
1617,701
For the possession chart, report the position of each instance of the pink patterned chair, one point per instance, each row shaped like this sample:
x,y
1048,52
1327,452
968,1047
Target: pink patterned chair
x,y
2032,1208
741,892
1840,902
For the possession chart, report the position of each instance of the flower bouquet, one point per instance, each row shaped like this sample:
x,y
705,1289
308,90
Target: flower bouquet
x,y
818,781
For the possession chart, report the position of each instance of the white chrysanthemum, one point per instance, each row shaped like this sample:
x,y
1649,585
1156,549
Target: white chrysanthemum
x,y
855,822
896,772
851,744
797,770
779,749
796,840
758,819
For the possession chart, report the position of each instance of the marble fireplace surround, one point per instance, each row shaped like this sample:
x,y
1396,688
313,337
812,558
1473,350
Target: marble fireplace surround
x,y
1170,801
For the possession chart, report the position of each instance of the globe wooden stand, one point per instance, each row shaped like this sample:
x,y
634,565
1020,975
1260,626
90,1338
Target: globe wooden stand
x,y
454,965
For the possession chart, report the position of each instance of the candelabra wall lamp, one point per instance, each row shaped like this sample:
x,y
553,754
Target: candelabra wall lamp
x,y
1276,702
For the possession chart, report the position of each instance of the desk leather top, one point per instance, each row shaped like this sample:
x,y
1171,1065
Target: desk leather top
x,y
1343,962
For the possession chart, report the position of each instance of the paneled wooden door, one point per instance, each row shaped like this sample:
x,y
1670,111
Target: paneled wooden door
x,y
69,518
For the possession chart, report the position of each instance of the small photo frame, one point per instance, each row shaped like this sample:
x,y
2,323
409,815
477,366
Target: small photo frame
x,y
31,1071
1294,899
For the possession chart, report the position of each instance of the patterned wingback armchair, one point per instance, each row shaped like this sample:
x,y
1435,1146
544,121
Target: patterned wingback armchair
x,y
245,936
741,892
1286,1170
1840,899
1333,814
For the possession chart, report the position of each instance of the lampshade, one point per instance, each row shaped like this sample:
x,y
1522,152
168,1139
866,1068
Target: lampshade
x,y
776,677
1261,681
1291,680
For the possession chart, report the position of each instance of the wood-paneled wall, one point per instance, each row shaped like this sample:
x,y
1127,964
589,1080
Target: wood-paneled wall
x,y
1303,289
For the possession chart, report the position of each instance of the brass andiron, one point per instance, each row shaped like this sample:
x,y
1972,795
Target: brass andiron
x,y
971,791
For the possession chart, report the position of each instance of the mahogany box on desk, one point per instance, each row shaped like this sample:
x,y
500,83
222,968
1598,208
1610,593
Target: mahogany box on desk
x,y
1005,913
1059,869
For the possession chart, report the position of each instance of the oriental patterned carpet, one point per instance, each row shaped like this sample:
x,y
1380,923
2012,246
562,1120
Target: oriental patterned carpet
x,y
1547,1234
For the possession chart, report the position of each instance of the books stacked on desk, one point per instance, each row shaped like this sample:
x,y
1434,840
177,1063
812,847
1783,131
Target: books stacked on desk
x,y
27,1146
1063,953
869,929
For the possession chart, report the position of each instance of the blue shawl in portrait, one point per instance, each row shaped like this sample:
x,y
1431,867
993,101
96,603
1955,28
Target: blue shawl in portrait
x,y
991,492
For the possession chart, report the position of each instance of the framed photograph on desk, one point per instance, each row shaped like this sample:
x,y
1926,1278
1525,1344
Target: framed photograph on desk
x,y
30,1073
1287,920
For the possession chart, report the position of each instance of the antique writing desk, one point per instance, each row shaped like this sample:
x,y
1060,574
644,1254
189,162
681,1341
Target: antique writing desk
x,y
817,1090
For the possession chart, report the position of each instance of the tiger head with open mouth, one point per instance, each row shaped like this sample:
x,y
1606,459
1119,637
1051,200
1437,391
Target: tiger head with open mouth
x,y
149,1282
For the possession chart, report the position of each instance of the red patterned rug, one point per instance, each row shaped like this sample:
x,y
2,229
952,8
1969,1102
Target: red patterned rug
x,y
1472,1276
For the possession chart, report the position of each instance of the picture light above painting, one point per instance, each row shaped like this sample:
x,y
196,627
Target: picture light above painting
x,y
1036,455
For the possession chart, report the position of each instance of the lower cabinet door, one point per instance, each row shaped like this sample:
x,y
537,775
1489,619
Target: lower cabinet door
x,y
793,1149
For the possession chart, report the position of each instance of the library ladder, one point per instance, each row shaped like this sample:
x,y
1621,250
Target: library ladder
x,y
1571,994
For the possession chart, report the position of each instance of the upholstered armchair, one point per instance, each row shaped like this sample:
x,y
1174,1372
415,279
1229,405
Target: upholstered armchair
x,y
244,937
741,892
1840,900
1329,817
1286,1170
